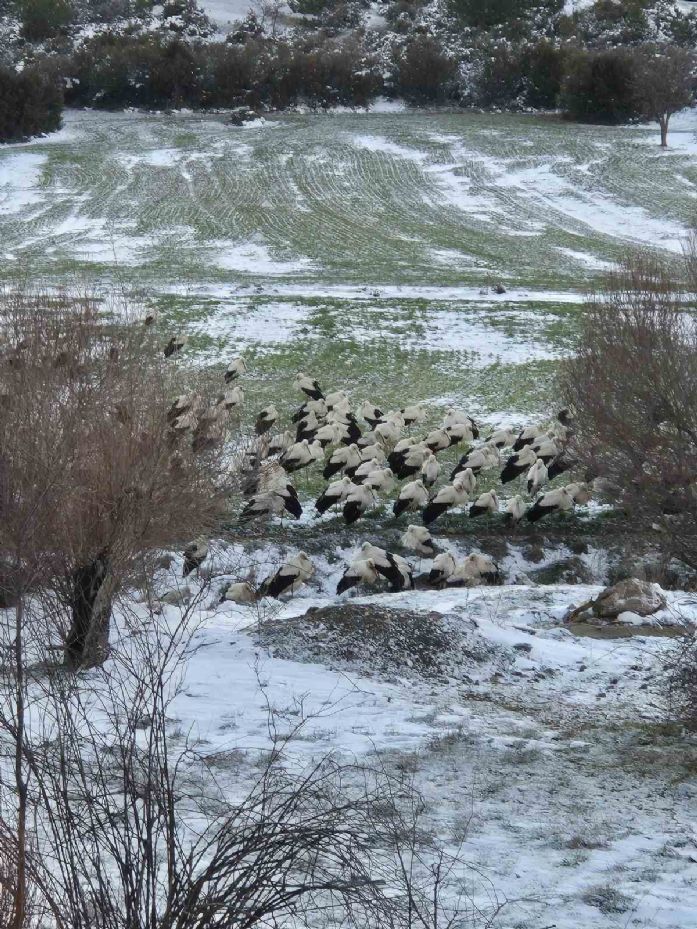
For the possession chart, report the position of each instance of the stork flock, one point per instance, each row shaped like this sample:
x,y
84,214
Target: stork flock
x,y
365,457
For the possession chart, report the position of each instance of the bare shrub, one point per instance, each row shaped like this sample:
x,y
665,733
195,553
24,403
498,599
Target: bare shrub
x,y
681,680
93,477
133,827
633,386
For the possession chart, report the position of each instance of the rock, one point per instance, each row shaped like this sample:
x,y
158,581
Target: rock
x,y
499,289
572,570
241,115
629,596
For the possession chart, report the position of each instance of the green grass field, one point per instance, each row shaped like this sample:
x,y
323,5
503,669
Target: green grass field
x,y
354,246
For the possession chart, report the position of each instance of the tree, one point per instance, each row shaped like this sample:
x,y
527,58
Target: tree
x,y
94,478
633,386
663,82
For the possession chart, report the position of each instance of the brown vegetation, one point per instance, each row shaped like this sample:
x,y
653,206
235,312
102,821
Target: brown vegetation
x,y
93,476
633,385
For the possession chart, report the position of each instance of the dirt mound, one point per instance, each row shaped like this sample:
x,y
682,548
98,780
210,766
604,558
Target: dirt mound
x,y
393,641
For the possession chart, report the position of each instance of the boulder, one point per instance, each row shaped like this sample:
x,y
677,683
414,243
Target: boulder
x,y
241,115
629,596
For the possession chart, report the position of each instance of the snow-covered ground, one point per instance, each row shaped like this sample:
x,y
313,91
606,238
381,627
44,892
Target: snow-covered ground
x,y
223,13
545,749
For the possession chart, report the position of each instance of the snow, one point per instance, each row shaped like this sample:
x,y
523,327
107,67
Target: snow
x,y
380,145
20,181
223,13
583,258
542,760
255,258
575,6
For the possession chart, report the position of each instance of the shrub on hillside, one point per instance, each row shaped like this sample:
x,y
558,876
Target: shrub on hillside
x,y
309,7
501,81
597,86
664,81
681,680
487,14
96,473
527,75
612,23
31,103
115,71
423,71
325,72
184,17
543,65
44,19
236,72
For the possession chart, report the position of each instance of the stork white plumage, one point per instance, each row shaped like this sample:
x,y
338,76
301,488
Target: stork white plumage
x,y
430,470
241,592
360,571
516,508
438,440
537,476
333,494
359,499
309,387
487,502
235,370
301,455
345,458
452,495
554,501
381,480
442,568
580,492
413,496
418,539
289,578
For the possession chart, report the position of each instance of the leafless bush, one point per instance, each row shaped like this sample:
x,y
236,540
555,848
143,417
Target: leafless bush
x,y
633,386
130,827
681,680
93,476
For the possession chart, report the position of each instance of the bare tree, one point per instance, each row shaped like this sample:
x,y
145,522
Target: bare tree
x,y
633,385
664,81
93,472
